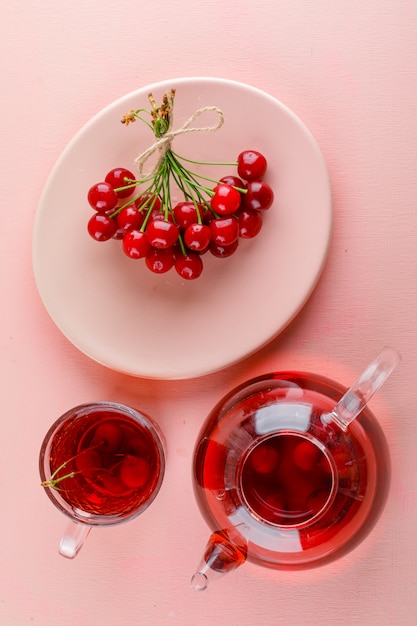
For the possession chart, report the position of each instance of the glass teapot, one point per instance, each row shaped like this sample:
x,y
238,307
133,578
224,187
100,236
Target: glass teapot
x,y
291,470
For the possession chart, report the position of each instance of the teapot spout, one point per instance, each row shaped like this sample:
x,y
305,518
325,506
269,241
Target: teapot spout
x,y
221,556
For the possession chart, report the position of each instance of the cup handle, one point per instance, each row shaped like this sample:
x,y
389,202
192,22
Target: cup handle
x,y
73,539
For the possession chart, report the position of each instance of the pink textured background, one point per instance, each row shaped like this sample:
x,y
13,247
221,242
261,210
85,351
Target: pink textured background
x,y
348,70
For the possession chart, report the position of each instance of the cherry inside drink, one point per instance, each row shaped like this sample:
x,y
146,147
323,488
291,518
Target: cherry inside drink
x,y
112,463
286,479
282,485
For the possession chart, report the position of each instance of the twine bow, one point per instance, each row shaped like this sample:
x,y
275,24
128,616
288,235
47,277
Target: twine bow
x,y
163,144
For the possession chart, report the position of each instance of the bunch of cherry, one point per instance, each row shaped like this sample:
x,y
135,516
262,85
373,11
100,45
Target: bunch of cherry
x,y
207,220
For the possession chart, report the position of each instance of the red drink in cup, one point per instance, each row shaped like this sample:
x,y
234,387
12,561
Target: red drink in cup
x,y
101,464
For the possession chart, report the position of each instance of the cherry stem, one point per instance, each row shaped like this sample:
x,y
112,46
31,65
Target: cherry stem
x,y
183,158
132,116
188,176
171,166
52,482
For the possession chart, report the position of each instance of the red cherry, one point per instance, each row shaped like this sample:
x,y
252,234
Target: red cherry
x,y
307,455
102,197
224,230
221,251
120,177
233,181
197,237
250,223
226,199
112,484
119,234
135,244
160,261
148,200
88,462
274,508
251,164
207,217
157,214
189,266
136,445
259,195
130,218
264,459
134,472
108,436
185,213
161,233
101,227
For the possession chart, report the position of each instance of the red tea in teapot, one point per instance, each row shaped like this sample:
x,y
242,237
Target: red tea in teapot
x,y
286,479
280,481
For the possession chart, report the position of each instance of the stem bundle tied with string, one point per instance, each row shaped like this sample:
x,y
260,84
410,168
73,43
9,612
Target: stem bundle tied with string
x,y
213,214
169,165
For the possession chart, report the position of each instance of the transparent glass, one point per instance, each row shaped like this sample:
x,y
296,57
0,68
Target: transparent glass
x,y
280,481
101,464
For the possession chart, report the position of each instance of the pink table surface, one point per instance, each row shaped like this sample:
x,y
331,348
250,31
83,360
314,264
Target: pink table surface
x,y
348,70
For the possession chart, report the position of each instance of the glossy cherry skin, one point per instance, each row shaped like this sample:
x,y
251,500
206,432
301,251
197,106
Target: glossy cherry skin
x,y
189,266
134,472
120,177
135,244
102,197
251,164
208,216
160,261
234,181
226,199
101,227
222,252
159,214
259,195
197,237
250,223
130,218
224,230
119,234
148,200
186,213
162,234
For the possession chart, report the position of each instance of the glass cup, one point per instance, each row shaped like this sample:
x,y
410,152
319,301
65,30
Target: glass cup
x,y
101,464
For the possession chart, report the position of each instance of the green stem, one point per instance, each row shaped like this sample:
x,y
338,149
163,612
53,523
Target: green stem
x,y
182,158
186,174
166,190
172,169
191,193
53,481
135,114
131,200
182,245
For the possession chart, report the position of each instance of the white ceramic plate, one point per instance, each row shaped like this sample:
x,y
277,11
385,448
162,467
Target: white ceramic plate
x,y
160,326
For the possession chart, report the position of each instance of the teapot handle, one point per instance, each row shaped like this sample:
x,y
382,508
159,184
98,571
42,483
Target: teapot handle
x,y
357,397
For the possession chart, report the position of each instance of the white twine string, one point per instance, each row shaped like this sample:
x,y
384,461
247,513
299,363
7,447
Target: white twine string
x,y
163,144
